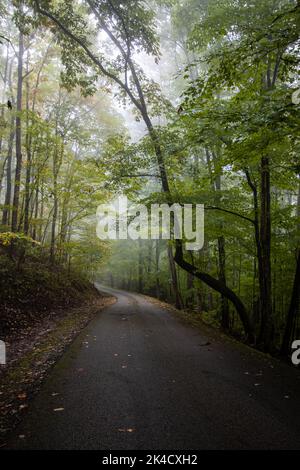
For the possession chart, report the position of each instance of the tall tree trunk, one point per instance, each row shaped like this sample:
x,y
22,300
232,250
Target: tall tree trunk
x,y
5,78
292,312
140,267
157,282
266,333
41,214
222,277
28,191
54,221
36,211
16,198
216,182
57,160
7,200
266,336
29,157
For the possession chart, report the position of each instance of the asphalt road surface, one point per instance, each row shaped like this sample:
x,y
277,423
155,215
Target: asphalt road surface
x,y
138,378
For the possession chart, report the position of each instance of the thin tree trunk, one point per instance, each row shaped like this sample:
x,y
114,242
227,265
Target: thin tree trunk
x,y
221,252
16,198
140,267
7,200
266,333
5,77
215,179
175,285
28,165
157,283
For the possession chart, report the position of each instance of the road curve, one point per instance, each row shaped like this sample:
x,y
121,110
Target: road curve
x,y
137,378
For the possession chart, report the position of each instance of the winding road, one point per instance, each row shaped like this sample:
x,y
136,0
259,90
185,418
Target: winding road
x,y
139,378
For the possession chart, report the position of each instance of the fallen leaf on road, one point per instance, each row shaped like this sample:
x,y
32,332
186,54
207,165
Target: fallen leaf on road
x,y
21,436
21,407
58,409
22,396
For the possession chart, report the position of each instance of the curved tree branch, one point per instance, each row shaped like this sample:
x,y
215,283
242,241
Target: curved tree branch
x,y
219,287
89,53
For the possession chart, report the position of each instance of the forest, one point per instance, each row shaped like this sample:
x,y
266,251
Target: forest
x,y
186,101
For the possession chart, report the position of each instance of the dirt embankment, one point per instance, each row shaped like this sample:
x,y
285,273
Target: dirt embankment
x,y
35,340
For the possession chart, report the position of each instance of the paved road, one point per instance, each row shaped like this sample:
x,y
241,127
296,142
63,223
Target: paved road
x,y
137,378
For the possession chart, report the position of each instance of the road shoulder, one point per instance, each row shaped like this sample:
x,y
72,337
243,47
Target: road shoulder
x,y
32,356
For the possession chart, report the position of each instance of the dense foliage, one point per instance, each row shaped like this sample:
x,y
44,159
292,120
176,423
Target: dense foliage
x,y
209,91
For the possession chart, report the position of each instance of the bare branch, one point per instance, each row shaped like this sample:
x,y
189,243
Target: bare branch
x,y
230,212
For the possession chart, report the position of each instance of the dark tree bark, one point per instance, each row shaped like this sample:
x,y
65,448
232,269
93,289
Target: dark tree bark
x,y
216,182
293,312
266,332
175,285
294,307
253,188
218,286
222,277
